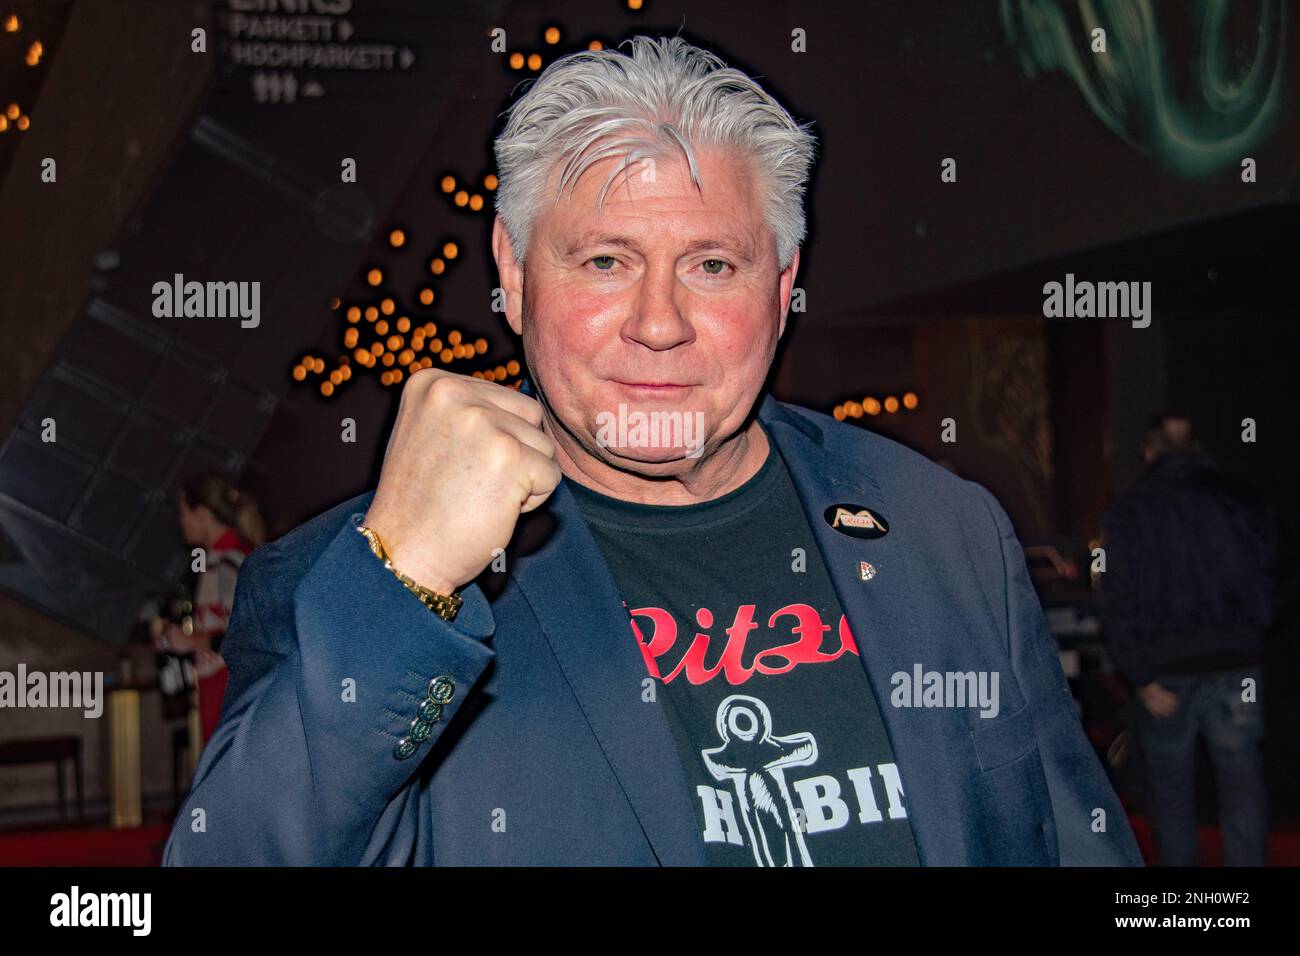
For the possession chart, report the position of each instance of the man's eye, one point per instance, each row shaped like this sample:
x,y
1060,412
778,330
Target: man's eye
x,y
713,267
604,263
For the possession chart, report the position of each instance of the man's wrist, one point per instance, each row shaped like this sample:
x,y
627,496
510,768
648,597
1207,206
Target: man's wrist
x,y
441,598
391,542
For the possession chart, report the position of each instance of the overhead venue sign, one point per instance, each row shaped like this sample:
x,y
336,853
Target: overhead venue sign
x,y
275,46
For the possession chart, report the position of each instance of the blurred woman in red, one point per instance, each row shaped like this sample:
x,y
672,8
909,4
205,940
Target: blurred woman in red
x,y
224,521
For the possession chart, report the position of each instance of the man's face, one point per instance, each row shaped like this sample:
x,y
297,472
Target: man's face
x,y
1178,430
671,299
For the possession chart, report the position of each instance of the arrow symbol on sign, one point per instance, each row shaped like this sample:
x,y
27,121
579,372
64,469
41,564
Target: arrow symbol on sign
x,y
345,29
405,58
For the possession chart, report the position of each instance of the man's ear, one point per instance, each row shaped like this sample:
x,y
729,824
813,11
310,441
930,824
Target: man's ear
x,y
787,288
512,275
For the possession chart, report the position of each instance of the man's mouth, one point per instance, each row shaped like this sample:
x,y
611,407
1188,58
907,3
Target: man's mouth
x,y
653,386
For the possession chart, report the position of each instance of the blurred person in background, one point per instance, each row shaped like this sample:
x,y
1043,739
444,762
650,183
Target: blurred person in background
x,y
224,521
1185,599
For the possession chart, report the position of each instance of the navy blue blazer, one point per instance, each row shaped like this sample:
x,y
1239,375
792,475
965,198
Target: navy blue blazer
x,y
546,753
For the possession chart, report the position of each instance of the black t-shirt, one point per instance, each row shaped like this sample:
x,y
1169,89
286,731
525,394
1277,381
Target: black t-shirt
x,y
759,675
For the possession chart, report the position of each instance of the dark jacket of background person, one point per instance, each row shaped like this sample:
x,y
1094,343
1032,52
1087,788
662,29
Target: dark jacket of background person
x,y
1188,585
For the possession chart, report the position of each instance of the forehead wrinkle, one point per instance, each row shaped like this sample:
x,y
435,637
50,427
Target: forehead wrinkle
x,y
730,234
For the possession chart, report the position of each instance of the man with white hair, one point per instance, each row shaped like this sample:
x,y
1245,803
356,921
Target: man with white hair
x,y
655,532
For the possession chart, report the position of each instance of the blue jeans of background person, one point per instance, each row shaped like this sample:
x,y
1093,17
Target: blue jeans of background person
x,y
1209,705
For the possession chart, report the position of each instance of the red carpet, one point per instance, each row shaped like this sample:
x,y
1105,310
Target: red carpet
x,y
142,846
1283,845
84,846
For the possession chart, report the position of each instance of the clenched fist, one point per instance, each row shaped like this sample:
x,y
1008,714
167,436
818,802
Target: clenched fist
x,y
466,458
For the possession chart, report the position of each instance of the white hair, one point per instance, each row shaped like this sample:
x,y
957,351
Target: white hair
x,y
593,105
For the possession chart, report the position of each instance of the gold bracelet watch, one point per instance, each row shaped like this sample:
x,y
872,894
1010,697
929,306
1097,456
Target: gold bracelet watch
x,y
445,606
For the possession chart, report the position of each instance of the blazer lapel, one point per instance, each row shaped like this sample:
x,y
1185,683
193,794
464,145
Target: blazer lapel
x,y
570,589
891,619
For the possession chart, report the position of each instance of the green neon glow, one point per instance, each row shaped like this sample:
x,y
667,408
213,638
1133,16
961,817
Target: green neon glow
x,y
1130,88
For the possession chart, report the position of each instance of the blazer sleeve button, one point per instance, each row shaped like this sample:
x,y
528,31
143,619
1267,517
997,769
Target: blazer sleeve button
x,y
441,689
430,711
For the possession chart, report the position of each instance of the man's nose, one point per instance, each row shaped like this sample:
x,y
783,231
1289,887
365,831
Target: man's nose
x,y
658,321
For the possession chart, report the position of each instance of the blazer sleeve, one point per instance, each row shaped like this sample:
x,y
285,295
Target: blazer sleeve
x,y
1076,779
302,769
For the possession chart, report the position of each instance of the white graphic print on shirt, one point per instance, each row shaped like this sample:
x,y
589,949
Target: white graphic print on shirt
x,y
754,760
